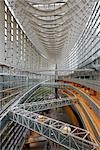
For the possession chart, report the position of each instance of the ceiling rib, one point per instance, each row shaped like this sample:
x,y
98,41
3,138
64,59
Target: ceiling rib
x,y
56,23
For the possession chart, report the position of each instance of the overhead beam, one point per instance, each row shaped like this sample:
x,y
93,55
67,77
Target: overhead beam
x,y
47,1
67,6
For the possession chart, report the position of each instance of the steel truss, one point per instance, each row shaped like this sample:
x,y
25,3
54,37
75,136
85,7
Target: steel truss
x,y
47,104
76,139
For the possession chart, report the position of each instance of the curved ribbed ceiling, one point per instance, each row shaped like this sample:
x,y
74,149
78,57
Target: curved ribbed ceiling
x,y
55,22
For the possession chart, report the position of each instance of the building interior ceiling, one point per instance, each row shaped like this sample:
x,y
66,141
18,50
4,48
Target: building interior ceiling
x,y
53,26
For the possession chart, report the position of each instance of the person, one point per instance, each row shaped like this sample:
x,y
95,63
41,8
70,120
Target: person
x,y
48,146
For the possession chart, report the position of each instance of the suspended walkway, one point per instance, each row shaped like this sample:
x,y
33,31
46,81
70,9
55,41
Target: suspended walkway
x,y
71,137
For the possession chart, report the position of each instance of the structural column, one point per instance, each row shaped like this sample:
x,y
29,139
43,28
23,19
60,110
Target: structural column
x,y
9,44
56,78
14,45
2,44
2,32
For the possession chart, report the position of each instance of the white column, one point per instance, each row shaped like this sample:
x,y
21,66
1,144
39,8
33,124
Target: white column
x,y
19,48
22,50
2,32
8,46
27,55
14,45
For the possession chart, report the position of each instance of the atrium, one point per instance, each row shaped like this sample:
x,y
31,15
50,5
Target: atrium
x,y
49,74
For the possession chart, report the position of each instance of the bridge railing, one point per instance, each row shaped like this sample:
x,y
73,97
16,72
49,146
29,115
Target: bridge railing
x,y
47,104
69,136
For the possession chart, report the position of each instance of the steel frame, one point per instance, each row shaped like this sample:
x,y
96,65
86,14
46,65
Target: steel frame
x,y
37,22
77,139
47,104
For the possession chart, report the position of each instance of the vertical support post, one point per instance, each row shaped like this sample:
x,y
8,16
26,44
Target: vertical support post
x,y
56,78
14,45
2,44
2,32
9,45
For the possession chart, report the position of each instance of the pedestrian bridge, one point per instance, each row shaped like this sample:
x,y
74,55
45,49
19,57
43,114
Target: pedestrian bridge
x,y
47,104
73,138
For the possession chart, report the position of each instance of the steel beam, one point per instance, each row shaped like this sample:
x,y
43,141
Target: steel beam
x,y
75,139
47,104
